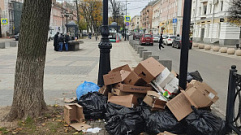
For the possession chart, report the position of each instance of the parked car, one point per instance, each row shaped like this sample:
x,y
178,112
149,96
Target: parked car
x,y
156,38
177,43
169,39
16,37
146,39
136,35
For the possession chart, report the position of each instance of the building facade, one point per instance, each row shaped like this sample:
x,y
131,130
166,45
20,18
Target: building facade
x,y
146,18
156,17
209,19
135,21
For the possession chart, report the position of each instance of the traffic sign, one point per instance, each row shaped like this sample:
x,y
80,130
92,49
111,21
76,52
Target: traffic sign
x,y
127,18
127,23
174,20
4,21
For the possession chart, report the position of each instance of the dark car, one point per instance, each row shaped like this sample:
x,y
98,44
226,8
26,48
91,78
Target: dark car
x,y
146,39
16,37
136,35
177,43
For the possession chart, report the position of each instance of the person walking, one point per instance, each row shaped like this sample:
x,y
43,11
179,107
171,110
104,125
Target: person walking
x,y
56,43
67,38
61,42
160,42
96,36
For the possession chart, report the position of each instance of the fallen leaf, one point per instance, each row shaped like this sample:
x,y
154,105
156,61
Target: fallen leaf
x,y
75,133
43,124
66,125
58,120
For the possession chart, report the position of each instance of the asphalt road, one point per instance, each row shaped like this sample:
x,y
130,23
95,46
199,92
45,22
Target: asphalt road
x,y
213,68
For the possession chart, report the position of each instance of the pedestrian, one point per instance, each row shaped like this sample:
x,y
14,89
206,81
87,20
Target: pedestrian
x,y
89,35
66,39
56,43
61,42
96,36
160,42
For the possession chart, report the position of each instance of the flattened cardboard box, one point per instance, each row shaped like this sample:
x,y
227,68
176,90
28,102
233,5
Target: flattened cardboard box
x,y
74,113
115,77
149,69
121,93
132,88
201,94
127,101
134,79
180,106
152,99
104,90
164,78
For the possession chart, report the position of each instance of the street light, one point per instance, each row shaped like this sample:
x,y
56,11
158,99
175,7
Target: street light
x,y
105,46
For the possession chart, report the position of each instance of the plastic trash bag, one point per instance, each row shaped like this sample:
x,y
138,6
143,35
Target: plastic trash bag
x,y
161,121
196,76
86,87
128,124
202,122
189,77
114,109
94,105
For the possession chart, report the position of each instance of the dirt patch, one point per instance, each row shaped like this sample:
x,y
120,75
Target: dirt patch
x,y
50,123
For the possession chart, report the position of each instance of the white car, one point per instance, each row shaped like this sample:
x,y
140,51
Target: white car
x,y
156,38
169,39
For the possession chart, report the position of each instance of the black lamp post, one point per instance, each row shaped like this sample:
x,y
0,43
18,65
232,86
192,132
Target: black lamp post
x,y
105,46
185,44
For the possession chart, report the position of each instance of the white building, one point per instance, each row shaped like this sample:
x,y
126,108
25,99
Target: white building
x,y
209,19
156,7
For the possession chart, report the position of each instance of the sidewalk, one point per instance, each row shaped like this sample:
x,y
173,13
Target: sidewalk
x,y
64,71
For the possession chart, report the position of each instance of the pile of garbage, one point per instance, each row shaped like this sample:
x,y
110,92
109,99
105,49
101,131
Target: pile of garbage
x,y
147,98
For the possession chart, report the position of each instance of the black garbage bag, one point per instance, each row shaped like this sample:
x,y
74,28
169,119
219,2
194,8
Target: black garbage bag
x,y
189,77
94,105
161,121
196,76
128,124
203,122
114,109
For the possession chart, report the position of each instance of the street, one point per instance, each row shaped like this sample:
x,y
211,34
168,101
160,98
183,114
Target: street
x,y
213,67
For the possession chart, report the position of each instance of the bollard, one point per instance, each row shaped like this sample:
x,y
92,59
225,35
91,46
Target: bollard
x,y
13,44
141,52
136,47
139,48
146,54
2,45
166,63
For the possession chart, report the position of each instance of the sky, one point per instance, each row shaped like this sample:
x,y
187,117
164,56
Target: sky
x,y
134,7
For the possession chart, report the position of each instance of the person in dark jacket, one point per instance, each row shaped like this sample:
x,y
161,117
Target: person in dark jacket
x,y
160,42
61,42
66,39
56,43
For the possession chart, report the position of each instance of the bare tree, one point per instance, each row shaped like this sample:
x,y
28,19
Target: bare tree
x,y
116,9
235,12
28,98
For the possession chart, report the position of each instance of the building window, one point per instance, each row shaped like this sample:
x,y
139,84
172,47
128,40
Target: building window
x,y
210,6
204,8
199,10
221,3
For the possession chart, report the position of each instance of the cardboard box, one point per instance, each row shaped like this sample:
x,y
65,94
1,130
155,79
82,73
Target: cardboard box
x,y
104,90
132,88
164,78
134,79
153,100
118,92
166,133
172,87
180,106
74,116
127,101
115,77
124,67
149,69
201,94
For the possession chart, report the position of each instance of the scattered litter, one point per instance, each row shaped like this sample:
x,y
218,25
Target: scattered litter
x,y
86,87
70,100
93,130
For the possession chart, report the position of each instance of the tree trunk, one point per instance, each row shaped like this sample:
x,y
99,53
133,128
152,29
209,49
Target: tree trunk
x,y
28,98
0,26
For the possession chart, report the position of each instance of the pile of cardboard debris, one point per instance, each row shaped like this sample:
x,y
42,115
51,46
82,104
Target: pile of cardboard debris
x,y
158,88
